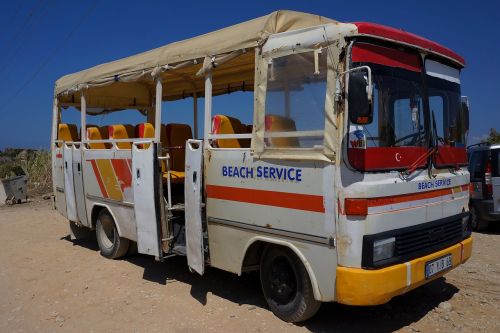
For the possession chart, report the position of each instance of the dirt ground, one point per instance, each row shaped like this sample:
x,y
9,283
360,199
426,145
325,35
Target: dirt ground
x,y
49,284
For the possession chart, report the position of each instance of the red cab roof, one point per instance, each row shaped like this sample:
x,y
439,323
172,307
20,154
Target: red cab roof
x,y
382,31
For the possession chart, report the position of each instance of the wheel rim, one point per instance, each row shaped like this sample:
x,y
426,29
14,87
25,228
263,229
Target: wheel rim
x,y
283,282
107,234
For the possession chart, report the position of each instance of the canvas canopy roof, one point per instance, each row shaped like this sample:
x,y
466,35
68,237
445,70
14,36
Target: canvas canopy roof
x,y
128,82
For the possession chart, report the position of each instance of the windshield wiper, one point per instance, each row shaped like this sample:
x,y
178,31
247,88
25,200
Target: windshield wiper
x,y
430,152
408,171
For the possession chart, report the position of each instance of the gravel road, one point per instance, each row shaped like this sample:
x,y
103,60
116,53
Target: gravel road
x,y
50,284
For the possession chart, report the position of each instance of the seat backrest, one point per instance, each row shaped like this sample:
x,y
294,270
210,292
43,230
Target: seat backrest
x,y
144,130
121,132
97,133
222,124
67,132
275,123
177,135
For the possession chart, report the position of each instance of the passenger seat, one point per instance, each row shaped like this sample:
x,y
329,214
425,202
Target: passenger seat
x,y
276,123
222,124
67,132
97,133
121,132
176,136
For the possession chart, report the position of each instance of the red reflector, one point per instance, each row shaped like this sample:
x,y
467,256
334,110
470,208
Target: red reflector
x,y
356,206
362,120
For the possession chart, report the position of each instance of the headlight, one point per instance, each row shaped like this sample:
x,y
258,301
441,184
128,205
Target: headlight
x,y
383,249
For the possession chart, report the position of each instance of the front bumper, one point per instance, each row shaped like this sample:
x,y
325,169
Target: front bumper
x,y
357,286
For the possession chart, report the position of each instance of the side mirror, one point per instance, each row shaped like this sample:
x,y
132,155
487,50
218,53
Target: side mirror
x,y
465,112
359,95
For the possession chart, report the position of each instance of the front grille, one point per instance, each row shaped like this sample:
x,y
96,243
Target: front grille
x,y
416,241
433,236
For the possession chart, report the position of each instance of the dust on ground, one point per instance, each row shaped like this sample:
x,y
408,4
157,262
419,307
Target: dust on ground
x,y
49,284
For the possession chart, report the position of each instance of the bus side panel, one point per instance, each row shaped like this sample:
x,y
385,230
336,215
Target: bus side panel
x,y
280,200
282,195
108,182
58,174
228,245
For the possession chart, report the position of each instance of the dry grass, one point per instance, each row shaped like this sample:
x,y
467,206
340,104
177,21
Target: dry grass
x,y
39,172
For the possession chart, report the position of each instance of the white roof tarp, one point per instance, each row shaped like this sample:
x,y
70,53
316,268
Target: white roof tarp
x,y
243,36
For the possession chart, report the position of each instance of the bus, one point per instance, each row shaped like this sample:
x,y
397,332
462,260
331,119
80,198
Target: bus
x,y
345,180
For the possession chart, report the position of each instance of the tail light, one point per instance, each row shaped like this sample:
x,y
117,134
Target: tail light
x,y
487,179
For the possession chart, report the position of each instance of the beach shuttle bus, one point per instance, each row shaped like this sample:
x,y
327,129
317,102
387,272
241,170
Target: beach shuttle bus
x,y
346,181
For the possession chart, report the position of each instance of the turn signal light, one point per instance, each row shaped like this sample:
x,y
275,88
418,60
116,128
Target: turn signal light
x,y
356,206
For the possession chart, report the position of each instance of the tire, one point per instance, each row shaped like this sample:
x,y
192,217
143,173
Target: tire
x,y
286,285
112,246
476,222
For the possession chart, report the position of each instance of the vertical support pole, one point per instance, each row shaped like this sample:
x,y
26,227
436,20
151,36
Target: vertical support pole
x,y
195,114
208,105
55,121
83,115
158,99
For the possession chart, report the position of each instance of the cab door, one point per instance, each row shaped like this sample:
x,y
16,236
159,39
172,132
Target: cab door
x,y
192,194
145,183
69,189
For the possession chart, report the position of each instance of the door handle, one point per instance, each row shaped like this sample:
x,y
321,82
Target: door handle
x,y
194,177
78,167
138,173
65,165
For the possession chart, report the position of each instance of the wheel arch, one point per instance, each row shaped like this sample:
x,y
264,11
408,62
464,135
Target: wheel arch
x,y
255,247
96,209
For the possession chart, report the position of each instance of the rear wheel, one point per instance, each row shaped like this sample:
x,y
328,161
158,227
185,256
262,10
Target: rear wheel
x,y
286,285
476,222
112,246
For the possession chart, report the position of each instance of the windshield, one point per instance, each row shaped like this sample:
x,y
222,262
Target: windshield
x,y
445,105
397,135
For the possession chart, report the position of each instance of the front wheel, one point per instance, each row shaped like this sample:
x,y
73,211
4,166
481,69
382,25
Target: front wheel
x,y
112,246
286,285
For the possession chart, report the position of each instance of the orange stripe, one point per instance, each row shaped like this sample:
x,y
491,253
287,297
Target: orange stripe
x,y
308,202
122,172
99,179
383,201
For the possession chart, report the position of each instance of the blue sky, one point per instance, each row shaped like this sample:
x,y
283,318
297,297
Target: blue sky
x,y
42,40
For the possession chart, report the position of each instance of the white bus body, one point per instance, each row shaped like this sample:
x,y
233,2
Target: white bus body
x,y
326,207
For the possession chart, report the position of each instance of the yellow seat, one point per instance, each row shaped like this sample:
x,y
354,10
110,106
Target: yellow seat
x,y
121,132
97,133
176,137
145,131
67,132
222,124
275,123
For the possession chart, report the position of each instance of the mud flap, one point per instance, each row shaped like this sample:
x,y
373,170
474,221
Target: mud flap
x,y
144,179
192,194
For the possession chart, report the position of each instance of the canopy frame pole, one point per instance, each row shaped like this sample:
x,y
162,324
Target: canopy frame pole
x,y
83,117
195,114
55,121
208,106
158,100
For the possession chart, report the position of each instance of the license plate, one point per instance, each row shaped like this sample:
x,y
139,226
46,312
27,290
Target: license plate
x,y
437,265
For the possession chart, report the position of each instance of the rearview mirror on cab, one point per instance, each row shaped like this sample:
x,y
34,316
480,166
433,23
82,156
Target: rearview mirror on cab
x,y
359,95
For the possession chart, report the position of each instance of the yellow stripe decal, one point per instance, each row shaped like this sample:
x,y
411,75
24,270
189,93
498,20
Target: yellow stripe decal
x,y
109,179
